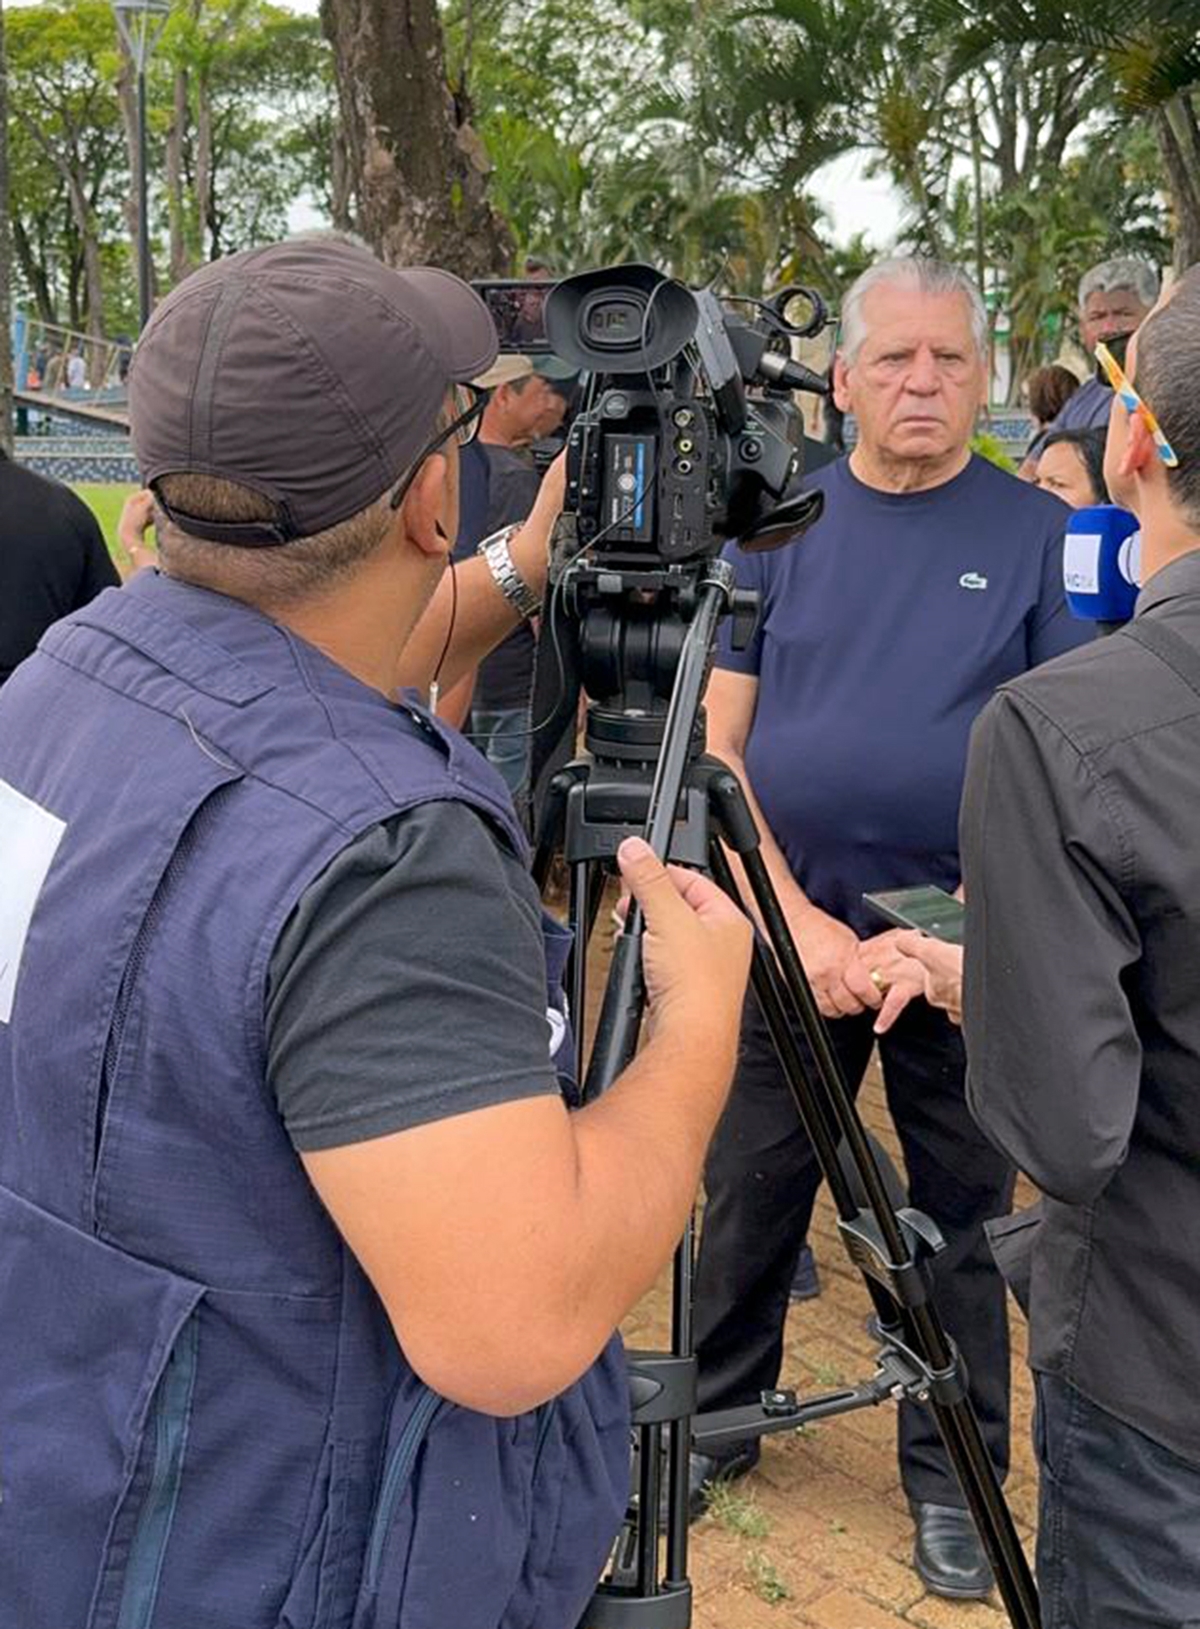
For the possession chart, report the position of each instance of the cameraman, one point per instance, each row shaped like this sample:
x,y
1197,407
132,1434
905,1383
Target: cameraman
x,y
1082,1008
310,1276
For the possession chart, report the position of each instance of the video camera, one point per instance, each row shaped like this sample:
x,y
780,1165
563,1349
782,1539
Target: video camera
x,y
687,434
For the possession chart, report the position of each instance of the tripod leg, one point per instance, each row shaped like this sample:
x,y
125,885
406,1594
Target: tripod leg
x,y
881,1248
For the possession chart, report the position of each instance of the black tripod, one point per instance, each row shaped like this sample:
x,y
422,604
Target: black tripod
x,y
646,635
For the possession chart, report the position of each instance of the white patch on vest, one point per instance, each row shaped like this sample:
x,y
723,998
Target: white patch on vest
x,y
558,1029
557,1022
972,579
29,839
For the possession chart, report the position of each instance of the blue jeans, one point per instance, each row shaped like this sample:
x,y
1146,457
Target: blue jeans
x,y
1118,1523
502,735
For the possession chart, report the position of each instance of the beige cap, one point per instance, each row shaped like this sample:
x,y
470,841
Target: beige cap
x,y
505,370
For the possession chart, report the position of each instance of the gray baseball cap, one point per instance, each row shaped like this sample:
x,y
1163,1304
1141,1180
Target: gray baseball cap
x,y
307,371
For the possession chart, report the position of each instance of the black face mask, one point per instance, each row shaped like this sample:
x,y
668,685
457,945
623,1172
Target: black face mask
x,y
1117,345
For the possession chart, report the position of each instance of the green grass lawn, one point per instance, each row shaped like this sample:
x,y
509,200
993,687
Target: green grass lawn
x,y
104,499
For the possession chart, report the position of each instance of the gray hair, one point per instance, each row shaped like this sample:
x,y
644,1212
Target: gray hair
x,y
1125,272
1166,368
921,275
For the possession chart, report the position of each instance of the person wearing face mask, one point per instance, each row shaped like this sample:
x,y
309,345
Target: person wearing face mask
x,y
1114,297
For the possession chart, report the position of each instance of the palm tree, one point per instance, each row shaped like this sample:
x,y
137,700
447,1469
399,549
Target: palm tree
x,y
1150,51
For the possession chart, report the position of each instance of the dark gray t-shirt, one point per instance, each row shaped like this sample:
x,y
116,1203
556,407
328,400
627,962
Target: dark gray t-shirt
x,y
505,676
409,984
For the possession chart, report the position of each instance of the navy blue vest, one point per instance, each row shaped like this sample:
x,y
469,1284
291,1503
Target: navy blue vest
x,y
205,1419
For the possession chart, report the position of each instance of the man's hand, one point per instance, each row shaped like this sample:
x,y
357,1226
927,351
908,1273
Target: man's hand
x,y
827,948
696,949
530,548
878,965
929,968
553,489
137,516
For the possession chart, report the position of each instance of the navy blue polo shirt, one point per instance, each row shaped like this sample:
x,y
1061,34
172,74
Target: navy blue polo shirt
x,y
882,633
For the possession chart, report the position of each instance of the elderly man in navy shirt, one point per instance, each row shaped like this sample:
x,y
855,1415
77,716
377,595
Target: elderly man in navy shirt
x,y
931,578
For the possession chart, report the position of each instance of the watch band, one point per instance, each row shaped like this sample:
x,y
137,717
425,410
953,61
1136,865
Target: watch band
x,y
495,550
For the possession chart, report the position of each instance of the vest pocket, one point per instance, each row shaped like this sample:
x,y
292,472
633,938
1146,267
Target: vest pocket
x,y
579,1493
452,1519
326,1576
389,1536
163,1450
396,1478
96,1371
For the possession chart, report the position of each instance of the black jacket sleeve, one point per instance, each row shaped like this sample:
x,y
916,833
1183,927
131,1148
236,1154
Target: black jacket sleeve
x,y
1054,1060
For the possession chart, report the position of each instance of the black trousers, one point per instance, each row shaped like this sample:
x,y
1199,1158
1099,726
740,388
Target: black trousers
x,y
1119,1520
762,1178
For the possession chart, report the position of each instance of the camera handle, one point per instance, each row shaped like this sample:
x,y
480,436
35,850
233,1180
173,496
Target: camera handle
x,y
691,808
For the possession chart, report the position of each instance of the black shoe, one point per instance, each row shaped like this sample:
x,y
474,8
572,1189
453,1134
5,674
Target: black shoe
x,y
705,1470
806,1286
948,1557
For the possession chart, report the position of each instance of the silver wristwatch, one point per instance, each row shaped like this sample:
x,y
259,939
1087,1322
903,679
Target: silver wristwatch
x,y
505,575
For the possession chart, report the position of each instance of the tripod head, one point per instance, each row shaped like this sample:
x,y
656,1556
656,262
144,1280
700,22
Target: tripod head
x,y
630,629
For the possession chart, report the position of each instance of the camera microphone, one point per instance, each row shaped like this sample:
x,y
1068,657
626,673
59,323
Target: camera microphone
x,y
785,374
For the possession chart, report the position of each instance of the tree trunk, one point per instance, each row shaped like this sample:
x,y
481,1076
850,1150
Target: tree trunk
x,y
341,182
418,169
204,169
180,254
1179,140
33,269
127,101
89,244
6,357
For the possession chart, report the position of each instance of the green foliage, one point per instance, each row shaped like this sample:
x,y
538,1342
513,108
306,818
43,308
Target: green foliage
x,y
259,78
737,1512
992,448
106,499
684,132
625,130
254,75
65,145
768,1585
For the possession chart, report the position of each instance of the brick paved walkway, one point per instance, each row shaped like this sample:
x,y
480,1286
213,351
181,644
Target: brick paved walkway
x,y
826,1539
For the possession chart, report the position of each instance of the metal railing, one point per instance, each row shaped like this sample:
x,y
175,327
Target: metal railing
x,y
57,366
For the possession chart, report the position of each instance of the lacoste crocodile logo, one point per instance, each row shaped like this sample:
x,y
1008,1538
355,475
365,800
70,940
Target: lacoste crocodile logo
x,y
972,579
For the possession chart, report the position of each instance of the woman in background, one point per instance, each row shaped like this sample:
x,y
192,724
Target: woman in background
x,y
1071,466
